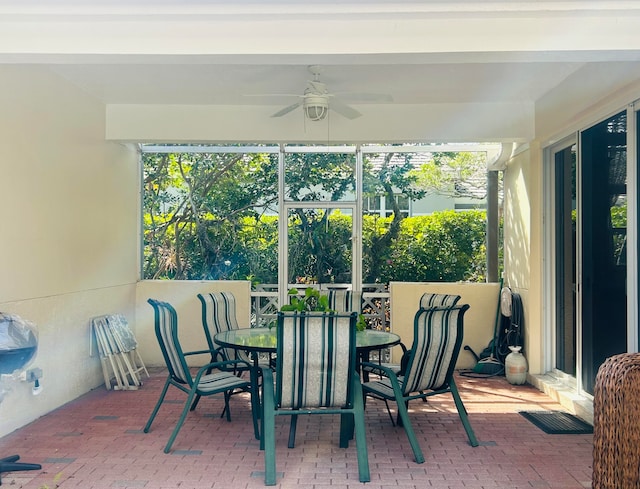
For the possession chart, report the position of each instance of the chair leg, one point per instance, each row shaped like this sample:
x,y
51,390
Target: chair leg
x,y
403,415
11,464
347,424
292,431
180,422
227,409
268,439
256,406
399,420
195,403
361,434
147,427
386,403
462,412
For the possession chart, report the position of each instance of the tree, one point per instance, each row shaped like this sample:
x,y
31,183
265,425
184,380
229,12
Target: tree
x,y
195,204
394,176
323,177
461,174
213,216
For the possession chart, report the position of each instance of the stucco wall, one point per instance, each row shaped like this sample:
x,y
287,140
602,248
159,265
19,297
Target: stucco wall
x,y
182,295
479,320
522,256
69,232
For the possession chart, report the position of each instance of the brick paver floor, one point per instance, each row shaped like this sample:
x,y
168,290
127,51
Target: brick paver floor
x,y
96,442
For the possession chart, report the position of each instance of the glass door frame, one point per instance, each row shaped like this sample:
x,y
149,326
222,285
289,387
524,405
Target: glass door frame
x,y
633,288
285,205
549,237
550,263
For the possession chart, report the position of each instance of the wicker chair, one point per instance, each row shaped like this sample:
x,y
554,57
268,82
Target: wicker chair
x,y
616,431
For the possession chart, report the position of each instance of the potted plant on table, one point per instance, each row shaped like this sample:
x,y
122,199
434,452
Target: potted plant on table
x,y
313,301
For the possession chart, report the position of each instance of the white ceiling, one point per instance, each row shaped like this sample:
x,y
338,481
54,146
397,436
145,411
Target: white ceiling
x,y
244,84
243,53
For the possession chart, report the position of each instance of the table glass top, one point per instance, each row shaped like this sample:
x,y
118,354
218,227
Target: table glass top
x,y
264,339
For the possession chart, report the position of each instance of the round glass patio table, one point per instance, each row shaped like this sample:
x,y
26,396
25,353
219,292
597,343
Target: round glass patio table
x,y
263,340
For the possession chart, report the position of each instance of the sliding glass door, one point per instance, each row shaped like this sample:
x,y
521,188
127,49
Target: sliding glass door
x,y
604,237
565,213
589,249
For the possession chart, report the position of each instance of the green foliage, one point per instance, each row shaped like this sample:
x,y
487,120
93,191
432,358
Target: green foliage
x,y
312,300
446,246
454,174
197,205
213,216
317,246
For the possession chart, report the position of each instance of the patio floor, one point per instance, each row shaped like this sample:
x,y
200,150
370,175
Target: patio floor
x,y
96,442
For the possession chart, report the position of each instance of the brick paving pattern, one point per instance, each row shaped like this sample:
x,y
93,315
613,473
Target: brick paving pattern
x,y
96,442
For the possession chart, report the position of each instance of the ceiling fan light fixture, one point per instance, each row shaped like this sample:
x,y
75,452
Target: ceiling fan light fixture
x,y
315,107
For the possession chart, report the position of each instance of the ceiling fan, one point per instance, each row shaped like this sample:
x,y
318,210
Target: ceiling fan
x,y
316,101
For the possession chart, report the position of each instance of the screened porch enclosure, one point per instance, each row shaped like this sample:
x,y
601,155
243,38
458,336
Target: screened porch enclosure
x,y
213,213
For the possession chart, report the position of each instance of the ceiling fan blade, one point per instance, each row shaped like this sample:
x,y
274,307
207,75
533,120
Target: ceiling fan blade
x,y
364,97
286,110
343,109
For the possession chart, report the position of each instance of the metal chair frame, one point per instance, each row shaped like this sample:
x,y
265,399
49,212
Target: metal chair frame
x,y
205,383
312,351
438,335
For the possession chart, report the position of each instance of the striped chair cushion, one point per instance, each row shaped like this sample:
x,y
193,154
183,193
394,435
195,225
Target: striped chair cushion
x,y
435,343
437,300
218,315
341,300
315,355
166,330
220,381
220,312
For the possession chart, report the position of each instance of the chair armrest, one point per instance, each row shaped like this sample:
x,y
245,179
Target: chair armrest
x,y
396,383
378,369
202,370
199,352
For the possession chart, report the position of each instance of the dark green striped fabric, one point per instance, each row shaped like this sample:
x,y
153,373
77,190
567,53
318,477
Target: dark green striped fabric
x,y
436,343
166,325
341,300
316,352
438,300
167,334
218,315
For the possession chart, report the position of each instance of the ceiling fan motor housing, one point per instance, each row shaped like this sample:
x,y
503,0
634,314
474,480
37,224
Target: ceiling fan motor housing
x,y
316,107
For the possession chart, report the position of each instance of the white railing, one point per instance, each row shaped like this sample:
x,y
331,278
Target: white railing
x,y
375,303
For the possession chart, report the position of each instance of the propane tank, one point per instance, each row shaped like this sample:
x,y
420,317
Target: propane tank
x,y
515,366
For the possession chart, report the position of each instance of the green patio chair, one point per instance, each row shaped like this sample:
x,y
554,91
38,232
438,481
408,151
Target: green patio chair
x,y
436,344
206,382
315,374
427,300
340,301
218,315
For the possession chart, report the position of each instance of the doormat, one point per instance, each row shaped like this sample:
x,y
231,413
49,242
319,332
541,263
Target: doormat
x,y
558,422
